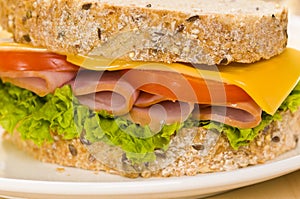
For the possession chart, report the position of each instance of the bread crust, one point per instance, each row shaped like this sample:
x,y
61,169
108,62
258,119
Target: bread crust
x,y
278,138
131,31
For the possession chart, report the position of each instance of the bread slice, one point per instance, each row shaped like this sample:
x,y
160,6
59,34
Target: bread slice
x,y
278,138
198,31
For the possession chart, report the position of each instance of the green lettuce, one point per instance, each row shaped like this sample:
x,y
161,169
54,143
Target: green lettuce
x,y
56,115
292,102
37,118
16,104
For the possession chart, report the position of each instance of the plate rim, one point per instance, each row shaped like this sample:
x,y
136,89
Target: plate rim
x,y
209,182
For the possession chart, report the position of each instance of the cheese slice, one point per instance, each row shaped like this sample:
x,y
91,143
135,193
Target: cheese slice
x,y
19,47
268,82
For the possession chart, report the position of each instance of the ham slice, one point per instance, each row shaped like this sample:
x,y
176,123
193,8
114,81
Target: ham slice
x,y
241,115
110,101
104,91
147,99
157,115
39,82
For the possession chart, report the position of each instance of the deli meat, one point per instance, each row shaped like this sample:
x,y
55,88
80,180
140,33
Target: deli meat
x,y
157,115
39,82
147,97
104,91
242,115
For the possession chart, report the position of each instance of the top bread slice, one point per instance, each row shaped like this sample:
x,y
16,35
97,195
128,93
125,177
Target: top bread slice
x,y
193,31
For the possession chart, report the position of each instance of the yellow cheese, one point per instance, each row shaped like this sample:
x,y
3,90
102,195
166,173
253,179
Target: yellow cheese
x,y
19,47
268,82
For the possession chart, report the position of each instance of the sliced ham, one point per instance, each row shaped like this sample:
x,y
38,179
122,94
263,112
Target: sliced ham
x,y
241,115
134,92
148,99
39,82
166,112
110,101
137,92
104,91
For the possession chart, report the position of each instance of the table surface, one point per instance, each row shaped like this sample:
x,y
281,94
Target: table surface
x,y
287,186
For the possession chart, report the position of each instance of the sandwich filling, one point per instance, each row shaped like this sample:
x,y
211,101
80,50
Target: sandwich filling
x,y
140,107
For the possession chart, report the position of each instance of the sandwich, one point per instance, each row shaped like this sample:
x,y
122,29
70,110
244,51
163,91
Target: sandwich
x,y
149,88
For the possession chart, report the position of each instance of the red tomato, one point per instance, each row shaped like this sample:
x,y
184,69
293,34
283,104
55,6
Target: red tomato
x,y
34,61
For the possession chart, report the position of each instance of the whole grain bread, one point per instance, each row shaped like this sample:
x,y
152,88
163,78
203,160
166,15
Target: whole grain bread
x,y
276,139
198,31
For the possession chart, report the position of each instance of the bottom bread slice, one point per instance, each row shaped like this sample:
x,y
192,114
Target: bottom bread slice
x,y
276,139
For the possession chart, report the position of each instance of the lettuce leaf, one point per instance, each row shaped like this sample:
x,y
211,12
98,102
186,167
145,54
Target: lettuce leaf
x,y
56,115
16,104
292,102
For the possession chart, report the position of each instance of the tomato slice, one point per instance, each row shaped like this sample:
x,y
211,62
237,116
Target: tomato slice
x,y
34,61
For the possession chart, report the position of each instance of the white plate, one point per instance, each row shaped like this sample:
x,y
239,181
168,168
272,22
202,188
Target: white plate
x,y
22,176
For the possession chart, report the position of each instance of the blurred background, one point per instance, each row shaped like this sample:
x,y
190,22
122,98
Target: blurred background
x,y
294,5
